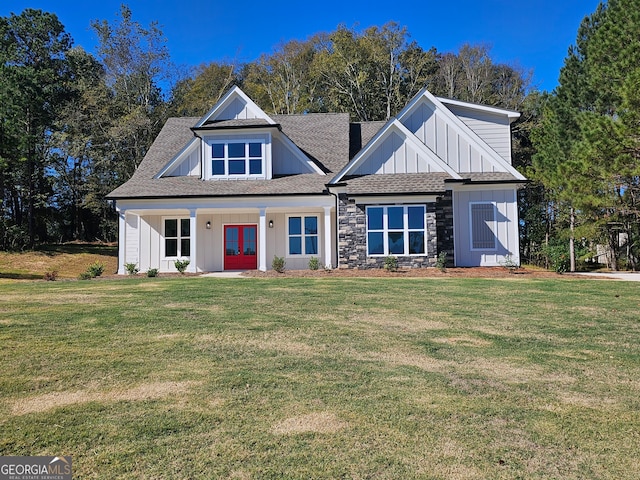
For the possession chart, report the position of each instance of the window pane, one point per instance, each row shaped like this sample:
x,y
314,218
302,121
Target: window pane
x,y
185,247
217,167
255,150
295,226
396,242
217,150
311,245
185,227
236,150
416,218
416,242
249,239
311,225
374,218
171,247
255,167
376,243
171,227
394,215
295,245
236,167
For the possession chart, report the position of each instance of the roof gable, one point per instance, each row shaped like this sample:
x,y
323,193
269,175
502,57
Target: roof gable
x,y
394,149
234,105
450,138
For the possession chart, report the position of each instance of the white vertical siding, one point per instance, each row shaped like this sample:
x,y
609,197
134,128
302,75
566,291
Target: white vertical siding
x,y
394,155
444,138
506,228
237,109
188,166
494,129
132,239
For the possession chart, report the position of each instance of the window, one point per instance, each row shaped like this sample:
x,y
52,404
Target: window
x,y
483,218
237,158
396,230
303,235
177,237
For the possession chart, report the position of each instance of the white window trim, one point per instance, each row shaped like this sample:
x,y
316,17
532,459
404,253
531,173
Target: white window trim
x,y
265,142
302,235
405,222
493,227
179,237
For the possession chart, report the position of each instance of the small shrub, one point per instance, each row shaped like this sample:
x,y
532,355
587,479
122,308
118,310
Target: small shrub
x,y
314,263
85,276
509,264
391,263
131,268
441,262
51,276
181,265
278,264
152,272
95,269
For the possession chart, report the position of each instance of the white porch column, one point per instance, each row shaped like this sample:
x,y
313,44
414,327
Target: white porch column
x,y
193,235
262,241
122,235
328,238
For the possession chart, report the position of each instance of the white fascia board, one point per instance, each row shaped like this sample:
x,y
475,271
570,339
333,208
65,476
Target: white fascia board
x,y
469,135
188,148
391,126
235,91
510,114
293,148
156,206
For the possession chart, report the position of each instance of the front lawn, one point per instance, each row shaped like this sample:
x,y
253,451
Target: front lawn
x,y
324,378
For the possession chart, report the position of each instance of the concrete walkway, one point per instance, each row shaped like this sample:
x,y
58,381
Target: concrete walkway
x,y
624,276
234,274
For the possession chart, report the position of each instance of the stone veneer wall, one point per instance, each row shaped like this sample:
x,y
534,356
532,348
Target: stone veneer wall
x,y
444,226
352,235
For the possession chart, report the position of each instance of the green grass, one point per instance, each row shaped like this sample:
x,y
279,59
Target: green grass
x,y
324,378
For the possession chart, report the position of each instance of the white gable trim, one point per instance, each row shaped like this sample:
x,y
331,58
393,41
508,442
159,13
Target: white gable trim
x,y
395,126
463,130
510,114
231,95
187,150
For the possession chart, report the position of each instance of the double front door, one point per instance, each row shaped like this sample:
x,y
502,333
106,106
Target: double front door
x,y
240,247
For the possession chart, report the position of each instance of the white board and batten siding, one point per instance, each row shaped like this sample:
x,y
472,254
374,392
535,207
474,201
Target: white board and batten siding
x,y
238,110
494,129
395,155
437,132
132,239
504,228
188,166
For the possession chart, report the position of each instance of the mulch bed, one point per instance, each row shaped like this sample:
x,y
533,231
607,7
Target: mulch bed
x,y
472,272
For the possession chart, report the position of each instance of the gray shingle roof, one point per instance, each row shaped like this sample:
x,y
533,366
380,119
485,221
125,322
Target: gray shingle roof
x,y
322,136
397,183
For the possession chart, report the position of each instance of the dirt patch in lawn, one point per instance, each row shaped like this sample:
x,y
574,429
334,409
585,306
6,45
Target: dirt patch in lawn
x,y
320,422
145,391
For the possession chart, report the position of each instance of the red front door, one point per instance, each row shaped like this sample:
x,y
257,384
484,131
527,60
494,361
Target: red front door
x,y
240,247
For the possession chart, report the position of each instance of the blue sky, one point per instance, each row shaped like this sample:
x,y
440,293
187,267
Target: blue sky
x,y
533,34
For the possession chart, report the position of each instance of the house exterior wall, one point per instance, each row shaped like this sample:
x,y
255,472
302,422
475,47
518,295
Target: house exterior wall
x,y
352,235
505,228
433,129
494,129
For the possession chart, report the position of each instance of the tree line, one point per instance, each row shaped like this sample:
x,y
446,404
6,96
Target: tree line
x,y
75,125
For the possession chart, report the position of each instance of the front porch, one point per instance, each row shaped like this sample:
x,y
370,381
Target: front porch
x,y
221,237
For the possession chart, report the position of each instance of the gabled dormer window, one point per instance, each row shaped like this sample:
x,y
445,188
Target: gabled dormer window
x,y
236,157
